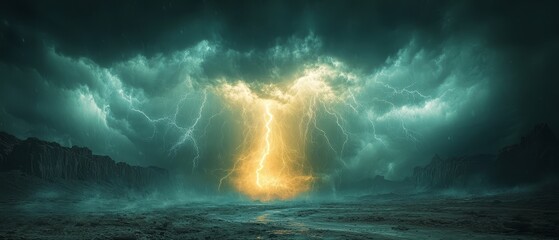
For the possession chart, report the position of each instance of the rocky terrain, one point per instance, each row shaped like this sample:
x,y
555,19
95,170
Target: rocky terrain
x,y
501,216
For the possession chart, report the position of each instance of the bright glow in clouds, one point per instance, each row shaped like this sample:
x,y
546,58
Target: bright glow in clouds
x,y
272,159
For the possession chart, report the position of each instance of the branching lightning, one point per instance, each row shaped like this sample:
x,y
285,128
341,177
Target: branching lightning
x,y
266,152
272,161
131,100
188,133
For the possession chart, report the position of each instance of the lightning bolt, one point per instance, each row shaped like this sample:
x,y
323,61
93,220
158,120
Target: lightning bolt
x,y
357,105
130,100
404,92
375,136
188,133
342,129
269,118
210,121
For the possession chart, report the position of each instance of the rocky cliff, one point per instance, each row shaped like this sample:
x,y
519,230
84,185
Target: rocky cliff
x,y
466,171
48,160
534,160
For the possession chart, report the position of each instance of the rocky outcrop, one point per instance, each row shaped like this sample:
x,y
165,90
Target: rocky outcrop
x,y
466,171
534,160
48,160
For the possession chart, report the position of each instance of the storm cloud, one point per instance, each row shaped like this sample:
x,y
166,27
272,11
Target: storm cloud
x,y
127,79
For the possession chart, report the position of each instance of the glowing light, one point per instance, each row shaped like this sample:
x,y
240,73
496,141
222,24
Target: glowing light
x,y
267,148
276,128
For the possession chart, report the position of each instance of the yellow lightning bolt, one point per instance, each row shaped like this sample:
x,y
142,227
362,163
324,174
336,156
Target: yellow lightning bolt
x,y
276,125
270,117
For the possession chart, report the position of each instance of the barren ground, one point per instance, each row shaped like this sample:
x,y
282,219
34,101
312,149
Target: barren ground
x,y
505,216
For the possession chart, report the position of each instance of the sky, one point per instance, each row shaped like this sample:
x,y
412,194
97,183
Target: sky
x,y
351,89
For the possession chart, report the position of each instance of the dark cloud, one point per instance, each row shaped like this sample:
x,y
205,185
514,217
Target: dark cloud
x,y
367,30
127,78
111,31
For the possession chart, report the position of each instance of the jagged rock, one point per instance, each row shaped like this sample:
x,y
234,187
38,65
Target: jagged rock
x,y
48,160
463,171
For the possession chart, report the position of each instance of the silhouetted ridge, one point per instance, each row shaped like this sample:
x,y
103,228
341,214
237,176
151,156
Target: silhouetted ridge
x,y
462,171
534,160
49,160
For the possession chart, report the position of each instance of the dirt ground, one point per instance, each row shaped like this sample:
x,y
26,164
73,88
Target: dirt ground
x,y
505,216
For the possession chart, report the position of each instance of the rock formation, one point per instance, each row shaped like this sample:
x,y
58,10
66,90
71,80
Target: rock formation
x,y
534,160
48,160
463,171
